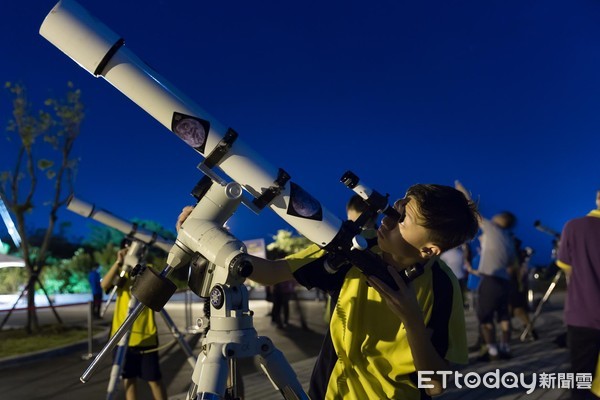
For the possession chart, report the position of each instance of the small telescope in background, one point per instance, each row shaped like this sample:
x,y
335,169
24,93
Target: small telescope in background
x,y
130,229
542,228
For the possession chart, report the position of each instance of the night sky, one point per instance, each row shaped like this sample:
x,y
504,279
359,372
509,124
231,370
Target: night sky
x,y
502,95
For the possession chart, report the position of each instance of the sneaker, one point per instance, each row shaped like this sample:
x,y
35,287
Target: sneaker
x,y
486,357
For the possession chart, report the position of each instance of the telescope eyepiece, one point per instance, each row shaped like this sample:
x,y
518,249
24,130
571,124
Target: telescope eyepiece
x,y
350,179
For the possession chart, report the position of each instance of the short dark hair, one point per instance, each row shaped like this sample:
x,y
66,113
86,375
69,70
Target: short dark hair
x,y
450,217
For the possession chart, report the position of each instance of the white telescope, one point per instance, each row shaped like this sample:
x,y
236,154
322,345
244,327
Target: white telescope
x,y
101,52
128,228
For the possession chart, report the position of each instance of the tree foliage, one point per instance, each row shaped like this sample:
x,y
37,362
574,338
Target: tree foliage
x,y
285,243
43,141
12,279
68,275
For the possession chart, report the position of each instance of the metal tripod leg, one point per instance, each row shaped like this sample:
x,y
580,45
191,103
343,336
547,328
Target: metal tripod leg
x,y
280,372
213,369
36,279
210,374
538,310
232,336
108,301
180,339
119,360
117,367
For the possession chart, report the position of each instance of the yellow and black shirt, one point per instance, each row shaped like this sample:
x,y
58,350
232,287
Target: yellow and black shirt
x,y
365,354
143,331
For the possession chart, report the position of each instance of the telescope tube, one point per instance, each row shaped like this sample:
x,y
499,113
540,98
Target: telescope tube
x,y
90,211
101,52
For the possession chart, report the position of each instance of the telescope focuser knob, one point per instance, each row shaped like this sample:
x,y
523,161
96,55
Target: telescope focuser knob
x,y
359,243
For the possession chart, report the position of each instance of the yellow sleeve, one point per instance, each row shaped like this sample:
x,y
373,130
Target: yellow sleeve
x,y
303,257
562,265
596,381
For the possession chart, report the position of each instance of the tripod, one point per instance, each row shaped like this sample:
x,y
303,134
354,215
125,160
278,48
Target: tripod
x,y
109,299
135,252
31,284
119,359
529,328
538,310
231,335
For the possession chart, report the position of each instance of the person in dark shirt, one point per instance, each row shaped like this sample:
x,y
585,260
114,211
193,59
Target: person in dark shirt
x,y
579,257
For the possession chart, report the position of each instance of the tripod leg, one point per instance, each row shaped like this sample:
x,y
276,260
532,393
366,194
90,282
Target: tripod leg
x,y
117,367
108,301
49,302
538,310
235,386
119,360
13,307
180,339
210,374
280,372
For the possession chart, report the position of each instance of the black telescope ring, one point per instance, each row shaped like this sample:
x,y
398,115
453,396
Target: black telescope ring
x,y
109,54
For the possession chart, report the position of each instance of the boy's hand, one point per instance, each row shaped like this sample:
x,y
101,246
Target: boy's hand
x,y
187,210
403,301
121,256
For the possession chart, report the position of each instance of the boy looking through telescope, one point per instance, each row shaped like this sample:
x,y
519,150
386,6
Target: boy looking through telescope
x,y
378,338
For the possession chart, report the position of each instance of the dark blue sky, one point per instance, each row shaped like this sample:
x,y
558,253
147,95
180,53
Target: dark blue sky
x,y
502,95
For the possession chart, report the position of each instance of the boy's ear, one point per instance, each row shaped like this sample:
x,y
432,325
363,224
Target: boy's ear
x,y
430,250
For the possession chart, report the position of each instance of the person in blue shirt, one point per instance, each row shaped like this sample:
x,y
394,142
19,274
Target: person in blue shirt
x,y
94,280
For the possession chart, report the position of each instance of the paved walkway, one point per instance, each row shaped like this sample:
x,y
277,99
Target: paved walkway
x,y
57,376
532,357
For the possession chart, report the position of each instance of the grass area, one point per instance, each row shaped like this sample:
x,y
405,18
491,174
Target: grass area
x,y
17,341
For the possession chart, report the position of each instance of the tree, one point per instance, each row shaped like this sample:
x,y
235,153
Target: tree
x,y
69,275
285,244
43,132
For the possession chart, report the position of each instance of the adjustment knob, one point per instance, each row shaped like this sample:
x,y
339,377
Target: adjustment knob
x,y
359,243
